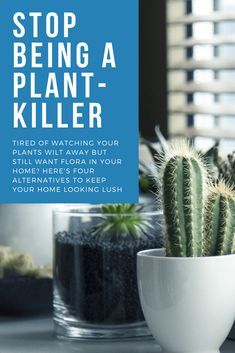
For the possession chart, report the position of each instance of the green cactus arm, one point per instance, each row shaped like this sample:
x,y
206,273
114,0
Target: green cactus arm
x,y
212,217
219,229
227,227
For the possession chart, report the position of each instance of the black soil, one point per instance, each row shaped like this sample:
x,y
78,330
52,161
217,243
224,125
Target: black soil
x,y
96,278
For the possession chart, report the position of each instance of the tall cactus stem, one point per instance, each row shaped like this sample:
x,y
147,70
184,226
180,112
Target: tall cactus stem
x,y
184,177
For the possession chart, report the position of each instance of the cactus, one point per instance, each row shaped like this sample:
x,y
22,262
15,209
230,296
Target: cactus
x,y
184,180
219,229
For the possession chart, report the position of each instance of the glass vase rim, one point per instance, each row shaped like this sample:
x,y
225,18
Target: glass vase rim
x,y
78,210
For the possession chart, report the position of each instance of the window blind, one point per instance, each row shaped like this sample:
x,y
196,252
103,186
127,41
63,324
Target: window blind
x,y
201,69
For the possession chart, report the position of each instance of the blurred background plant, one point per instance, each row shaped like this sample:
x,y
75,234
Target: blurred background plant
x,y
14,264
226,167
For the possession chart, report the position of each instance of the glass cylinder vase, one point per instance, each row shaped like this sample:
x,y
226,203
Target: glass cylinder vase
x,y
95,284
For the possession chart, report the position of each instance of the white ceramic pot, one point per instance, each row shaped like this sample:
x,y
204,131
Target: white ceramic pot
x,y
188,303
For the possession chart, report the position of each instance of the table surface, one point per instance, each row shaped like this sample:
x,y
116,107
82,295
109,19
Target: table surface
x,y
36,336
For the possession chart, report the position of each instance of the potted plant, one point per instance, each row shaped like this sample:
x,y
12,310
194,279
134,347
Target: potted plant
x,y
25,289
187,290
95,284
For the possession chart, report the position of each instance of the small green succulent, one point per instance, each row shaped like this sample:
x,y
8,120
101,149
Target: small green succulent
x,y
121,220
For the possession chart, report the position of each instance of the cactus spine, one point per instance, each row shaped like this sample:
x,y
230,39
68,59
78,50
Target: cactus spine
x,y
219,229
184,178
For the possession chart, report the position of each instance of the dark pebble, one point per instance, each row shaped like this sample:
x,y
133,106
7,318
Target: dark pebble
x,y
96,278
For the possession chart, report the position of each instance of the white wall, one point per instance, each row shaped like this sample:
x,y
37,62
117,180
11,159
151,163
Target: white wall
x,y
28,228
